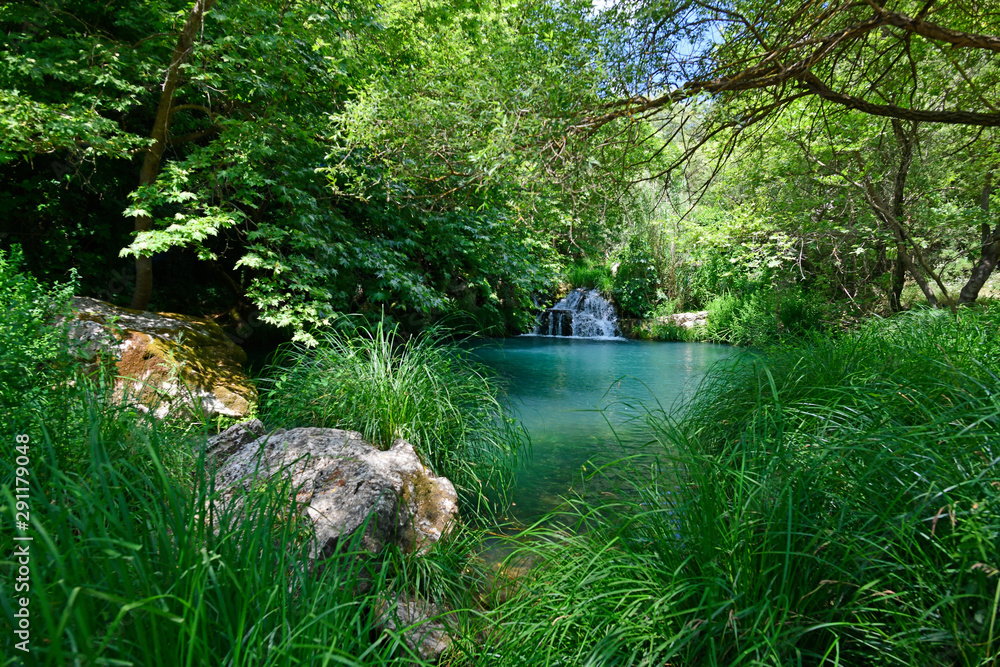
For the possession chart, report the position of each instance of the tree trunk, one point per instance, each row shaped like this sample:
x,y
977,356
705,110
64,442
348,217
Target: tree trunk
x,y
891,213
903,258
898,280
990,250
154,154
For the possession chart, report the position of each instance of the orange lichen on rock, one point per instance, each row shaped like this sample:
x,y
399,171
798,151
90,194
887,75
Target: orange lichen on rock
x,y
165,362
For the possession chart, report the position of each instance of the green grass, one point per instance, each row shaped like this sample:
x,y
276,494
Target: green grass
x,y
133,564
388,386
590,275
34,355
763,316
834,502
837,502
667,332
135,559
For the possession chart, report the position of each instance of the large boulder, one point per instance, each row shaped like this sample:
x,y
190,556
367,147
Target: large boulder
x,y
164,362
342,483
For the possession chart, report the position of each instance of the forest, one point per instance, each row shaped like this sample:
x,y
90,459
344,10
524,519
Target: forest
x,y
357,194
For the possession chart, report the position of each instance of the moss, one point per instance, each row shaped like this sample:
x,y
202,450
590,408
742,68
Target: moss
x,y
155,359
419,491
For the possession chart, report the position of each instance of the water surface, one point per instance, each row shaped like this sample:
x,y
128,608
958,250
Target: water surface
x,y
579,398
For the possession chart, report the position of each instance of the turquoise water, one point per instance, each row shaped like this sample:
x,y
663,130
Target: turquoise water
x,y
579,399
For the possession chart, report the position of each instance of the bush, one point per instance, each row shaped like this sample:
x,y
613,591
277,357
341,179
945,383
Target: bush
x,y
637,278
831,503
34,353
388,386
763,316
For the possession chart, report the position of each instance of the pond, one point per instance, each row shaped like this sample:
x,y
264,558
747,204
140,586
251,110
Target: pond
x,y
579,398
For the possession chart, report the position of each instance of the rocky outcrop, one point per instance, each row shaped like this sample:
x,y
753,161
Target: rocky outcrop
x,y
168,363
342,483
686,320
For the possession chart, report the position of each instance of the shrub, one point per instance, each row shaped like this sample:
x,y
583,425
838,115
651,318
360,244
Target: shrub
x,y
34,352
763,316
721,312
388,386
637,278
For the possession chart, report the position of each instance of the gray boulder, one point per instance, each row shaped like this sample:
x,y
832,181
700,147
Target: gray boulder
x,y
686,320
342,483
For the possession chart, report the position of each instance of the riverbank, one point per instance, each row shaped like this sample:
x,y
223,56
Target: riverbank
x,y
688,327
833,502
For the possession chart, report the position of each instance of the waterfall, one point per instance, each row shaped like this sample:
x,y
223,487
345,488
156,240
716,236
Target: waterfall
x,y
582,313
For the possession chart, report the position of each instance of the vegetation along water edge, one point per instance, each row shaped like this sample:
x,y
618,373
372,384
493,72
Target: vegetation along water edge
x,y
244,245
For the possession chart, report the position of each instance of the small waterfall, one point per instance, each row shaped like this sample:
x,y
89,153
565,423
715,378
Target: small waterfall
x,y
582,313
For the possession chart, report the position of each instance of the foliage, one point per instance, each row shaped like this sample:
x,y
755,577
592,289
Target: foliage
x,y
308,152
635,282
389,386
591,275
829,503
34,355
127,566
666,331
764,316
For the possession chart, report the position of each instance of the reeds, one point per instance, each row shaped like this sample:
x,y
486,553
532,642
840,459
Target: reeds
x,y
836,502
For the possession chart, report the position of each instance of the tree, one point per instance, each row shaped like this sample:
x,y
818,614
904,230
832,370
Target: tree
x,y
768,54
153,155
916,64
322,157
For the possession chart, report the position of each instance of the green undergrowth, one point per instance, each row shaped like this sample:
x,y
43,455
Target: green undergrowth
x,y
419,388
34,357
591,275
832,503
135,559
132,565
762,316
667,332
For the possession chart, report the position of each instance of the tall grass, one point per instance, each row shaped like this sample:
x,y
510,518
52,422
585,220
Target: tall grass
x,y
591,275
763,316
134,559
390,386
835,503
132,565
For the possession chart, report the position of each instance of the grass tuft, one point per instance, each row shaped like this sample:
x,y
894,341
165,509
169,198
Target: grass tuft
x,y
388,386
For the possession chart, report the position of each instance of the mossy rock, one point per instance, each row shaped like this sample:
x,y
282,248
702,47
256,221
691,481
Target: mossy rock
x,y
165,362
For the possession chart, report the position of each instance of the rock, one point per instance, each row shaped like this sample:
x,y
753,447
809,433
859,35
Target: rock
x,y
686,320
165,362
340,481
421,623
227,443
